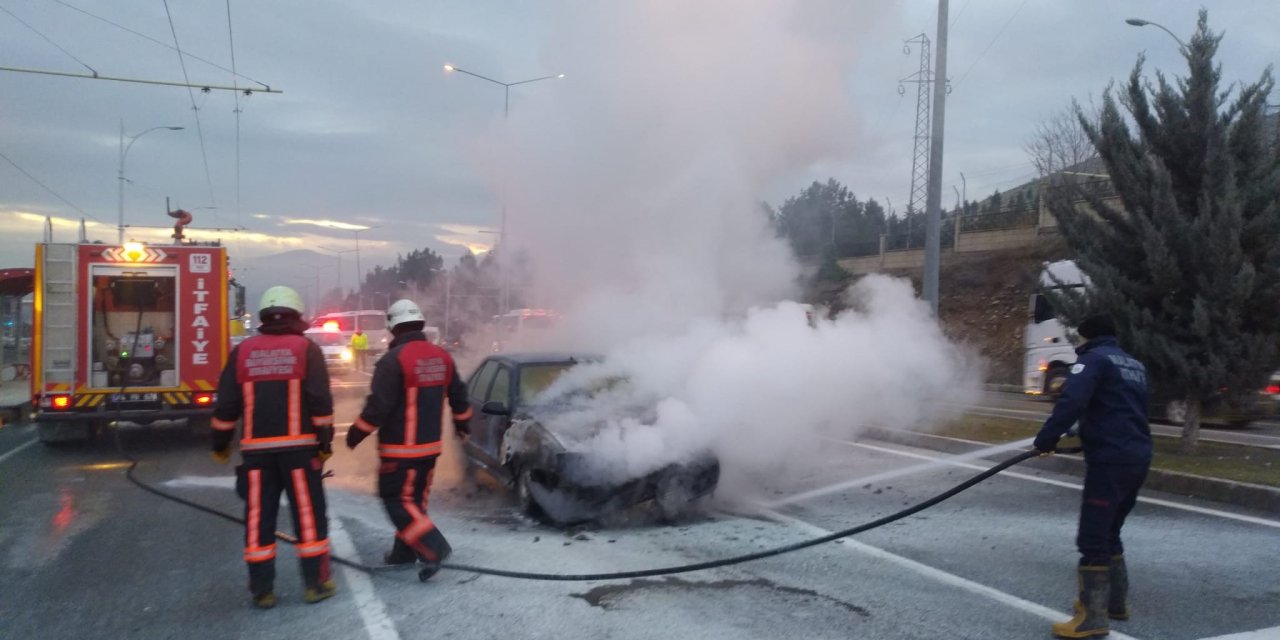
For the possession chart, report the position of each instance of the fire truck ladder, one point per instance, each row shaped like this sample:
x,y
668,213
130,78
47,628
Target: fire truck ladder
x,y
59,343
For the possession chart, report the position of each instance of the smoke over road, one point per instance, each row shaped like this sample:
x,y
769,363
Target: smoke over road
x,y
635,185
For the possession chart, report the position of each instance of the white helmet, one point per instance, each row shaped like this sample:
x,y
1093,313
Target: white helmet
x,y
281,297
402,311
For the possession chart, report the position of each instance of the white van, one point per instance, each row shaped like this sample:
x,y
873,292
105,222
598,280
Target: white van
x,y
372,322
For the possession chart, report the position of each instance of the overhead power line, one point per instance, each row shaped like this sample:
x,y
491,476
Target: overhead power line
x,y
162,43
49,40
202,87
990,44
48,188
231,40
204,156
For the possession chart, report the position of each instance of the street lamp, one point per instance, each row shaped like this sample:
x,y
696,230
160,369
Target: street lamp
x,y
338,254
124,153
506,113
1139,22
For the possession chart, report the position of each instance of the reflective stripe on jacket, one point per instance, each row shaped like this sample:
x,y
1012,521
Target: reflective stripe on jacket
x,y
411,384
278,386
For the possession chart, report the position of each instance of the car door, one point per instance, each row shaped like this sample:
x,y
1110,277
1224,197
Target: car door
x,y
494,426
477,390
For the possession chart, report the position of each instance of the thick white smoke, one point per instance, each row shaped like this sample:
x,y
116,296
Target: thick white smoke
x,y
635,187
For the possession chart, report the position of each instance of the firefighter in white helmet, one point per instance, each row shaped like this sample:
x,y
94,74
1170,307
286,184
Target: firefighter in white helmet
x,y
410,387
277,385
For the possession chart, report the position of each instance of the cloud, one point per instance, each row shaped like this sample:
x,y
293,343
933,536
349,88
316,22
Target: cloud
x,y
472,237
331,224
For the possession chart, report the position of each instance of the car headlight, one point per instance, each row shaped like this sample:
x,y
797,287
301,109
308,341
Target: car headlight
x,y
346,355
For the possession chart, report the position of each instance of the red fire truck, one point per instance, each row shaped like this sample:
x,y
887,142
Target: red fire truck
x,y
133,333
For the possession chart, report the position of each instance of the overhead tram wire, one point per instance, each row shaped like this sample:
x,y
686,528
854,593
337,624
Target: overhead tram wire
x,y
231,40
48,188
990,44
196,110
50,41
159,42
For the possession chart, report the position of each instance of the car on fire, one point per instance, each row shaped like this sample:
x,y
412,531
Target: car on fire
x,y
534,438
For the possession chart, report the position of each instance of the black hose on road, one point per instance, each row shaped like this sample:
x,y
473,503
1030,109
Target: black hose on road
x,y
619,575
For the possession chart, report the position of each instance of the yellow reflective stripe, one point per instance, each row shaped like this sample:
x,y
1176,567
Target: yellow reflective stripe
x,y
204,385
277,442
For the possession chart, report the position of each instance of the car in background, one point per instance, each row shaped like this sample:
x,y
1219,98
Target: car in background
x,y
521,435
1223,409
336,349
372,322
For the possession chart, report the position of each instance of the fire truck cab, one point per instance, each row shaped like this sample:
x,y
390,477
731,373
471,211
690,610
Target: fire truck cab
x,y
129,332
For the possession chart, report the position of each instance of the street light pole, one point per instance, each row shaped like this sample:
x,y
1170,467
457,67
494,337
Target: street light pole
x,y
1139,22
933,199
124,153
503,259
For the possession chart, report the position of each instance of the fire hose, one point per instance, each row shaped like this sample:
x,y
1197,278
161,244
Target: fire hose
x,y
623,575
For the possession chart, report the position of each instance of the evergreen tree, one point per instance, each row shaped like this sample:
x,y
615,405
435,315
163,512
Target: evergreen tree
x,y
1190,267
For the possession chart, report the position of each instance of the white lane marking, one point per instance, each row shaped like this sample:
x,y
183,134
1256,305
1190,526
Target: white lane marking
x,y
202,482
1071,485
1260,634
6,455
377,624
949,579
893,473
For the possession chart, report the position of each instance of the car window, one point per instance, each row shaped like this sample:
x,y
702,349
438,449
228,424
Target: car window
x,y
480,381
535,378
501,389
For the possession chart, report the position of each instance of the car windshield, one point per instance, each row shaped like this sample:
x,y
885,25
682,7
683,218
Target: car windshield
x,y
536,378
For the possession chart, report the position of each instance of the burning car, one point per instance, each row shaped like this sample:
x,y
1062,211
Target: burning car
x,y
536,438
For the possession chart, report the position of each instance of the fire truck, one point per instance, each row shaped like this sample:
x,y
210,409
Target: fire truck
x,y
133,332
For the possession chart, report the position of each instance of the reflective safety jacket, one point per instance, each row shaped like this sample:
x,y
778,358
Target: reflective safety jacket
x,y
279,385
1107,393
406,398
359,341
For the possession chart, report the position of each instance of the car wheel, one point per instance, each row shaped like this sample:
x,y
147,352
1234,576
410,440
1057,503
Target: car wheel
x,y
524,494
1175,411
674,496
1053,381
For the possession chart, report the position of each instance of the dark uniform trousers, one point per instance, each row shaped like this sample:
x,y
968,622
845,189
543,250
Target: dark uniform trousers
x,y
404,486
1110,491
263,476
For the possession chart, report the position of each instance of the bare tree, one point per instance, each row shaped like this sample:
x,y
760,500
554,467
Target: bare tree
x,y
1060,144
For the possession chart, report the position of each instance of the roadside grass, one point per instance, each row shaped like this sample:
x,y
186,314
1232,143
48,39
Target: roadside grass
x,y
1212,459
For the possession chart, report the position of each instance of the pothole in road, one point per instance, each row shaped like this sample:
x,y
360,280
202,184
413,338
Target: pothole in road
x,y
610,596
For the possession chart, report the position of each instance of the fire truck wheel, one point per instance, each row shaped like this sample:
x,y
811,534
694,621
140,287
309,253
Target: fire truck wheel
x,y
56,434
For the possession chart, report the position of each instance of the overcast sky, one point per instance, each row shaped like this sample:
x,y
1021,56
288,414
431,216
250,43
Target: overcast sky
x,y
371,131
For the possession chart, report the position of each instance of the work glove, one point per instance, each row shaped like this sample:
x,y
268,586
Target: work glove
x,y
462,428
325,436
1045,445
222,456
354,436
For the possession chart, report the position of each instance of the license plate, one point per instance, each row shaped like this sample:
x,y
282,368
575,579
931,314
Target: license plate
x,y
135,397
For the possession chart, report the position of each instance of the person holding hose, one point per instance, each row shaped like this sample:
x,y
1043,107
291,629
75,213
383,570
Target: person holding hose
x,y
1107,394
410,387
277,385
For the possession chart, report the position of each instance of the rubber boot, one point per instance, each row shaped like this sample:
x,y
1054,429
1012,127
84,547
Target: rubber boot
x,y
316,574
433,549
1091,607
262,577
1119,607
400,554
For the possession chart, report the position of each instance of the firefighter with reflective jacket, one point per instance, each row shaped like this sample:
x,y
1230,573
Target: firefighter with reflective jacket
x,y
410,387
1107,393
276,383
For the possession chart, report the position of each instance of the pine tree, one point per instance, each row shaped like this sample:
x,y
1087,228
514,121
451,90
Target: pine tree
x,y
1190,266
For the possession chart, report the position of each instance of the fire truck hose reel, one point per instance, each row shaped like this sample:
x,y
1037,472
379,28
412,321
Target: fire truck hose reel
x,y
622,575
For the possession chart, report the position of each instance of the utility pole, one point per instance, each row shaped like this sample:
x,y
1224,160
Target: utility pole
x,y
933,214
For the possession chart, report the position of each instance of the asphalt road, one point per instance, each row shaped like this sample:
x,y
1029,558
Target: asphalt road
x,y
1021,407
83,553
